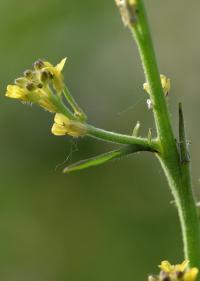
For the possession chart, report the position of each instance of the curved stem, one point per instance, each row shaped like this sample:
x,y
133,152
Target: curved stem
x,y
177,173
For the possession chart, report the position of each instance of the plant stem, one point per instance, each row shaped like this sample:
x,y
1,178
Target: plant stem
x,y
144,144
177,173
77,110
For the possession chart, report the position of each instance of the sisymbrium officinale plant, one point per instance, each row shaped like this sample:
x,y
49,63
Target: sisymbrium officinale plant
x,y
44,85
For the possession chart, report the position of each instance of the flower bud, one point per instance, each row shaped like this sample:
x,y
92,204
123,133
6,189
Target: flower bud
x,y
44,76
28,74
39,64
30,86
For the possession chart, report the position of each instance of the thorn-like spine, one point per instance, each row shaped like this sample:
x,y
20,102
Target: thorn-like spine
x,y
183,143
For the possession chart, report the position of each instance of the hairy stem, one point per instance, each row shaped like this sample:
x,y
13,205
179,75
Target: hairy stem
x,y
177,173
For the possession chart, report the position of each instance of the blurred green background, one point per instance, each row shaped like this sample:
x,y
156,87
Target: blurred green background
x,y
110,223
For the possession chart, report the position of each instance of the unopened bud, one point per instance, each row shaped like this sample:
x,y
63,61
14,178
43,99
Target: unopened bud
x,y
39,64
44,77
28,74
30,87
40,85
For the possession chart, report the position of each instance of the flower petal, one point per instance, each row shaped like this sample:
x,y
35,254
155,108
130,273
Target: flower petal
x,y
166,266
181,267
15,92
191,274
58,130
61,119
59,67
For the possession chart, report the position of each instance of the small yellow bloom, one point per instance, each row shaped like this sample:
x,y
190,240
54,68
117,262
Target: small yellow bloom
x,y
178,272
165,82
56,74
65,126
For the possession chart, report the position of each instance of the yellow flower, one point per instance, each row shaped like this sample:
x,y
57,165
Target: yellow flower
x,y
165,82
57,76
178,272
65,126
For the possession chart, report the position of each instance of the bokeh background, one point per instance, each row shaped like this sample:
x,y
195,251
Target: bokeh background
x,y
110,223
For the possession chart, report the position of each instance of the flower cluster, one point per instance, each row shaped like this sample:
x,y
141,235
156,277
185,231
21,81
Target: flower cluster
x,y
35,85
179,272
43,85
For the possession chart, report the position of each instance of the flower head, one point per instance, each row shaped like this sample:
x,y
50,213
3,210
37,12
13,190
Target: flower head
x,y
65,126
178,272
43,86
35,85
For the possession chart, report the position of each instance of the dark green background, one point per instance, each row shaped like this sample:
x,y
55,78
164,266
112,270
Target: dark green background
x,y
114,222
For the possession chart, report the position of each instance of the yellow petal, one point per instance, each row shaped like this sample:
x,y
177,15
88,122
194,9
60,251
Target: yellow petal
x,y
57,75
181,267
132,2
15,92
58,130
191,274
59,67
166,266
61,119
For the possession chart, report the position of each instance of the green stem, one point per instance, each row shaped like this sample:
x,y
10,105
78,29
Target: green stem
x,y
76,108
122,139
178,175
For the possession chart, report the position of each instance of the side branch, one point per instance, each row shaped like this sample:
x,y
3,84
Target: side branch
x,y
143,143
